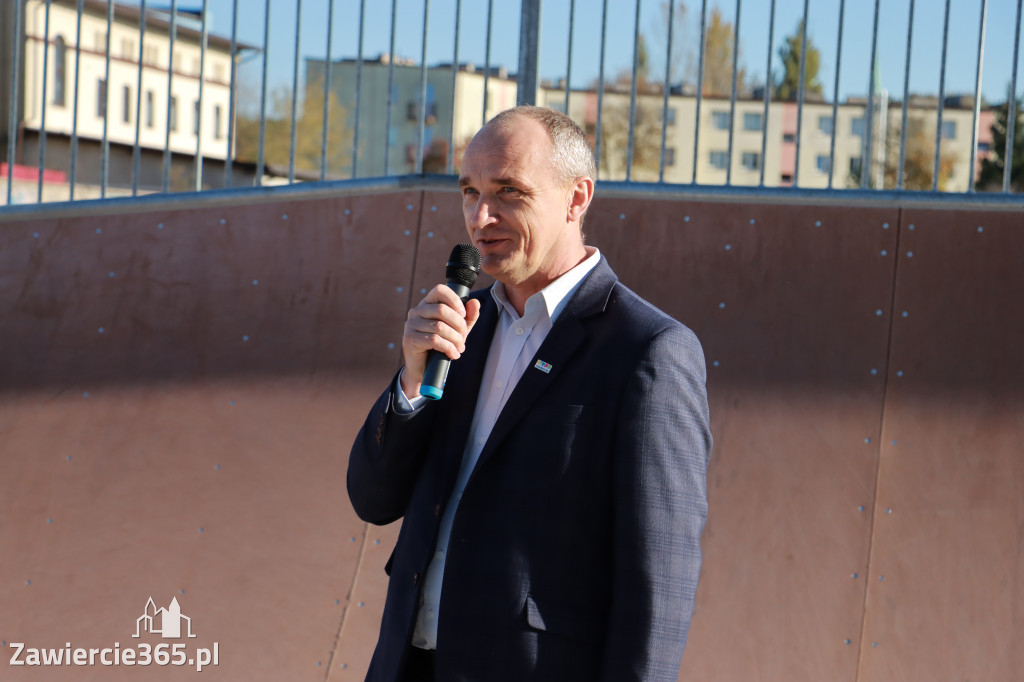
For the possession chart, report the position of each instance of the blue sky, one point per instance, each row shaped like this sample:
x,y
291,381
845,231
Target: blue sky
x,y
823,17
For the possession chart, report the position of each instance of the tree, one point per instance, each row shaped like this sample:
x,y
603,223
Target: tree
x,y
991,176
309,134
718,58
680,61
788,83
615,123
919,164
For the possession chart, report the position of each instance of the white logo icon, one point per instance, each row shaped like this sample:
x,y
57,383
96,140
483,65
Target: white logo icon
x,y
169,619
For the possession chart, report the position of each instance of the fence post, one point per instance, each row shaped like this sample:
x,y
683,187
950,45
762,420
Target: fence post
x,y
529,52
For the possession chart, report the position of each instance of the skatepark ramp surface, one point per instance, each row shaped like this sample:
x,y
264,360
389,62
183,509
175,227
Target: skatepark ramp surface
x,y
180,384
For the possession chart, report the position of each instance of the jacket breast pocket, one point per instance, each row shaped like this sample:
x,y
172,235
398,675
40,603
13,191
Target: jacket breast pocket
x,y
564,620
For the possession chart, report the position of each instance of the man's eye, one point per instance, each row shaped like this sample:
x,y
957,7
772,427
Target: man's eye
x,y
508,190
468,190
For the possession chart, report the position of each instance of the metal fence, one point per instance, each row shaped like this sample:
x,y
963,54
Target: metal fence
x,y
694,129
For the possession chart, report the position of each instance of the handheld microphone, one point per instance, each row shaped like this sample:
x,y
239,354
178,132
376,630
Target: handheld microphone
x,y
460,274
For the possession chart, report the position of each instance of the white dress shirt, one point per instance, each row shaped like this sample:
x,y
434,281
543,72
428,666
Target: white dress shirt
x,y
514,344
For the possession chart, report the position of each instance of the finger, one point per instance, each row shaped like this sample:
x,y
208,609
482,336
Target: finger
x,y
436,335
443,294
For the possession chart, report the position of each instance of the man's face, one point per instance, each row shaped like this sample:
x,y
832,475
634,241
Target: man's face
x,y
516,208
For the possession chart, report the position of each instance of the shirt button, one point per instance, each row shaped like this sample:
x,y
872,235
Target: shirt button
x,y
430,614
519,331
440,553
481,440
499,383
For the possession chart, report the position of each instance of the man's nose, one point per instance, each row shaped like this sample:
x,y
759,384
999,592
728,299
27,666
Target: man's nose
x,y
482,214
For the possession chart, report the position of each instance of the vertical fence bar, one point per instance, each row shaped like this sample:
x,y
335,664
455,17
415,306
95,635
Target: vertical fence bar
x,y
12,127
801,84
327,91
665,93
170,95
700,86
632,95
487,60
199,111
138,98
529,52
942,96
74,115
105,144
263,95
421,122
295,92
977,96
359,89
568,60
230,157
391,85
455,72
1011,106
600,87
835,97
869,123
768,90
732,97
906,97
42,122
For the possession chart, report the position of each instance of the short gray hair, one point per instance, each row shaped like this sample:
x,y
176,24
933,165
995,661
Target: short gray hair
x,y
570,149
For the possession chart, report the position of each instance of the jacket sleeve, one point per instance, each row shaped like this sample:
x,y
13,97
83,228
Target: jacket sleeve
x,y
386,459
660,504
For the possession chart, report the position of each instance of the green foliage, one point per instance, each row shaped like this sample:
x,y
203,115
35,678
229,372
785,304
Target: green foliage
x,y
788,85
992,168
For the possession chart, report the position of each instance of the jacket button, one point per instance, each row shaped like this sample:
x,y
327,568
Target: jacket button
x,y
437,510
415,578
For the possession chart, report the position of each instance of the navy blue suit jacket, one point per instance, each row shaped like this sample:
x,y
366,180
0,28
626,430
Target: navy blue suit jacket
x,y
575,549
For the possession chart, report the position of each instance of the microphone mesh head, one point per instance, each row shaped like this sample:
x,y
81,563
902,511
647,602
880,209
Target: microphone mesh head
x,y
463,265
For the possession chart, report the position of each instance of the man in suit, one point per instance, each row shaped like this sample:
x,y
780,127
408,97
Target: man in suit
x,y
553,499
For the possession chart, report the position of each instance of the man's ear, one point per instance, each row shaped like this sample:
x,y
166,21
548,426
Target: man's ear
x,y
581,192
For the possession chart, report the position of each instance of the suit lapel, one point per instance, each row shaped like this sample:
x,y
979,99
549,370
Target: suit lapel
x,y
557,350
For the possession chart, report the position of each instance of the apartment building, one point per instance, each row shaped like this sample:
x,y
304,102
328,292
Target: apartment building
x,y
77,94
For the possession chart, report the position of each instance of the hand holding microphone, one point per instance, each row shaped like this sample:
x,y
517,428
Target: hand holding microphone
x,y
436,329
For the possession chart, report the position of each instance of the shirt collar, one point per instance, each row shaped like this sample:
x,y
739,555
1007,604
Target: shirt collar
x,y
555,296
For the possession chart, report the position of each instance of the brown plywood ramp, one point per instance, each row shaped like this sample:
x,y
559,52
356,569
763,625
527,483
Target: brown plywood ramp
x,y
792,305
178,393
946,596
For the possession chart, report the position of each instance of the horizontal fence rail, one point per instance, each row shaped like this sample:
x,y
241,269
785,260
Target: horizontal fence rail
x,y
136,98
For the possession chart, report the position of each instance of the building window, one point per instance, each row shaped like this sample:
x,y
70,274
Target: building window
x,y
670,156
857,126
751,160
789,137
824,163
752,122
177,62
720,120
719,160
126,104
670,116
195,66
101,98
825,125
195,118
149,108
100,41
218,71
60,71
984,146
855,166
172,113
216,122
127,48
150,56
949,130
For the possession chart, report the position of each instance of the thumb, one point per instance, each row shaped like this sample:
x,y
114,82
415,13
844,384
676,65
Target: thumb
x,y
472,313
